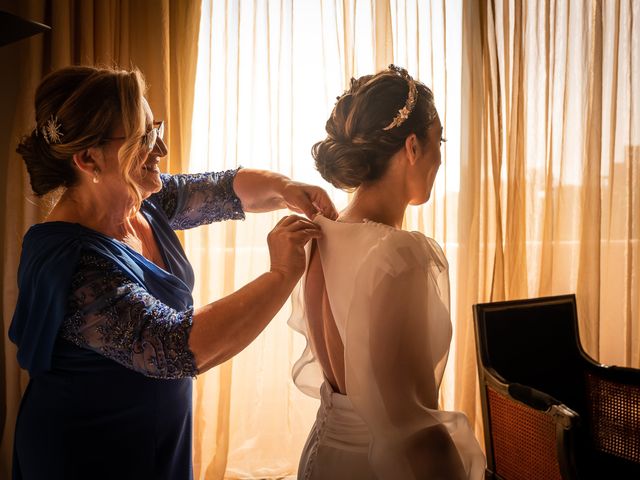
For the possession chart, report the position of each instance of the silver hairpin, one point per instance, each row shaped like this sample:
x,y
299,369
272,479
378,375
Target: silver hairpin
x,y
52,130
405,111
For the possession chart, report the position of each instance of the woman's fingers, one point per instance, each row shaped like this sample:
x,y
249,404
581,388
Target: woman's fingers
x,y
286,242
304,204
306,234
324,205
309,199
295,222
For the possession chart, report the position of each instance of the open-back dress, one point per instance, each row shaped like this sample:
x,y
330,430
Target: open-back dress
x,y
387,290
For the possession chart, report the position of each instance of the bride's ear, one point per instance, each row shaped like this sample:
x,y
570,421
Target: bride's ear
x,y
411,148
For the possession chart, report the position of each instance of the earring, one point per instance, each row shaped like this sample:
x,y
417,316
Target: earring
x,y
96,173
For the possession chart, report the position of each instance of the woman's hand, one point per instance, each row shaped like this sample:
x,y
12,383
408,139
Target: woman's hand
x,y
308,199
265,191
223,328
286,245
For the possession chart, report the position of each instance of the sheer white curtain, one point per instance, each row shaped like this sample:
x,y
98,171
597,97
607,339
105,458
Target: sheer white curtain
x,y
268,75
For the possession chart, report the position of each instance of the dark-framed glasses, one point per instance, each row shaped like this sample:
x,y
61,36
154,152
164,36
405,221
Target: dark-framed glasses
x,y
149,139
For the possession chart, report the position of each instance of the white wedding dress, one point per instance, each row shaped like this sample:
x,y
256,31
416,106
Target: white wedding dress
x,y
388,291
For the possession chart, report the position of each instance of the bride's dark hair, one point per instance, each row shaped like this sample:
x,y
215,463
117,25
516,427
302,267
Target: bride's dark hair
x,y
358,148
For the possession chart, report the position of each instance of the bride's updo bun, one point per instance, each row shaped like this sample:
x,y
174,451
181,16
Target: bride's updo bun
x,y
365,129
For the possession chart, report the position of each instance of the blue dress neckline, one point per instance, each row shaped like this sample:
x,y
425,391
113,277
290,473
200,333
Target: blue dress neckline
x,y
142,258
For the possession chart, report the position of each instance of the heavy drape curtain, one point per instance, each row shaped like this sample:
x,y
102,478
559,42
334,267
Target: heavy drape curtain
x,y
537,195
160,38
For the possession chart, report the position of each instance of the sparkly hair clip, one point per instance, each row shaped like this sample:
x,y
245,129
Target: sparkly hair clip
x,y
52,130
405,111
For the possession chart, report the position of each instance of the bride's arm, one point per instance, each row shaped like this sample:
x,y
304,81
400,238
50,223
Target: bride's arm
x,y
391,364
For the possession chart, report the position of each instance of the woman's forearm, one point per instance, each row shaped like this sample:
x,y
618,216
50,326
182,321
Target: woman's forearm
x,y
224,328
260,190
264,191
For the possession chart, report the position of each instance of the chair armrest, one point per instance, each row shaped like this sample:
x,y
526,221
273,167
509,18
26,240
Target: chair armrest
x,y
532,397
529,396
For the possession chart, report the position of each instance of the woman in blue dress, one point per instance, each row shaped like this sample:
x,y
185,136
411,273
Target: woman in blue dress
x,y
105,322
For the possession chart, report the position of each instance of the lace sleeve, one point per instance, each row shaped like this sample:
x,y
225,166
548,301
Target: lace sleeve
x,y
190,200
113,316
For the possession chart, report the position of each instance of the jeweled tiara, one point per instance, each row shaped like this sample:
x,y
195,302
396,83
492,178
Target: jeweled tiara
x,y
405,111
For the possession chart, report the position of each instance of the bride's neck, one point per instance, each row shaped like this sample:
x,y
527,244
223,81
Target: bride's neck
x,y
377,203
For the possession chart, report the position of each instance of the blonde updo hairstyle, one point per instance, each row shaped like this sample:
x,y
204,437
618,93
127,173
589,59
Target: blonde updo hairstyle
x,y
357,149
86,104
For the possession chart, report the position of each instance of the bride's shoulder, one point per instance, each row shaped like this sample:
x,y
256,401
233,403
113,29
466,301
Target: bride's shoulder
x,y
400,250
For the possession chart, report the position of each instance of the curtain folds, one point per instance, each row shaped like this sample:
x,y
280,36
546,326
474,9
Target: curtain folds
x,y
268,77
159,38
548,197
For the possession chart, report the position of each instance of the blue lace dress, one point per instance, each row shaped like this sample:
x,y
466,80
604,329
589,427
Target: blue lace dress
x,y
104,335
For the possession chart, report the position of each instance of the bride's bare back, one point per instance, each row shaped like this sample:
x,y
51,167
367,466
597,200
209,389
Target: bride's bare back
x,y
324,335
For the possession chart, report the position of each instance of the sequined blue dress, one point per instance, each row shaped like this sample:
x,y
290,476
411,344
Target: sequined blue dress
x,y
104,335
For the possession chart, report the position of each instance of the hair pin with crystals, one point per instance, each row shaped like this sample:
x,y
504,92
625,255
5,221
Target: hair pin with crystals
x,y
405,111
52,130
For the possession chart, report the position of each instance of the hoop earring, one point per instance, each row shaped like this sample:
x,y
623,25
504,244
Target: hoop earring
x,y
96,173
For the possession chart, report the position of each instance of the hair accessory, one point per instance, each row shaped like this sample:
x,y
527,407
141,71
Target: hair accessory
x,y
405,111
52,130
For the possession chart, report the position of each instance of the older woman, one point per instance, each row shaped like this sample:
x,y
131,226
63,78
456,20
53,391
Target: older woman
x,y
105,322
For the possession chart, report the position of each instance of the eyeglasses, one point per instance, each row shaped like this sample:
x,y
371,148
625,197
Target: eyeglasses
x,y
149,139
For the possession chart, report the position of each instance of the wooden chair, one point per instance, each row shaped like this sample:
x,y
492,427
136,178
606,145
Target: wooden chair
x,y
549,410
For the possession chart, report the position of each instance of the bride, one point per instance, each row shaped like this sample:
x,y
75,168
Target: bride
x,y
374,301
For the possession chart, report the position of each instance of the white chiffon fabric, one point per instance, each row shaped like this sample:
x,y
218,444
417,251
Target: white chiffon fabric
x,y
389,295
